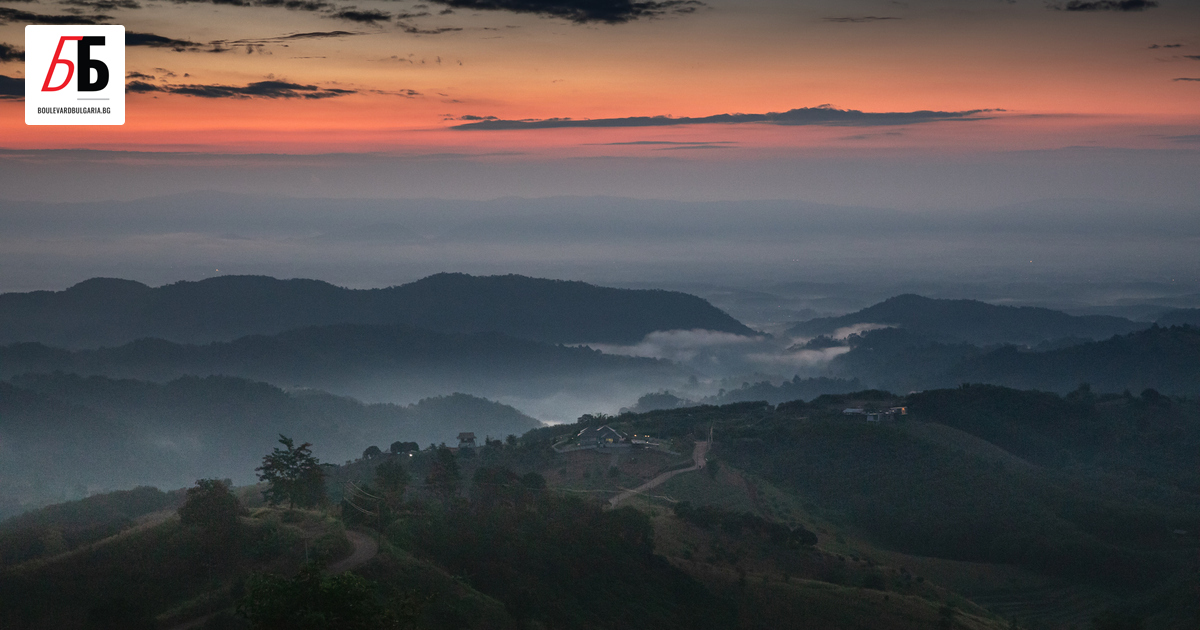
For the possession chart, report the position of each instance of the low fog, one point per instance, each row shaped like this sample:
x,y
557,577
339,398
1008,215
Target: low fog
x,y
766,262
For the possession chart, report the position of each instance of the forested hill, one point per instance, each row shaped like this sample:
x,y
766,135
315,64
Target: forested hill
x,y
107,312
1189,316
64,435
972,321
395,362
1164,359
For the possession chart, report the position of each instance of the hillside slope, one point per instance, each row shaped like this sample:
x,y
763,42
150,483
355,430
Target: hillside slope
x,y
64,435
1164,359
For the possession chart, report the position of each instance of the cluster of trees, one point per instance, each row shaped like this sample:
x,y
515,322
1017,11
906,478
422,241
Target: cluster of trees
x,y
315,601
742,523
795,389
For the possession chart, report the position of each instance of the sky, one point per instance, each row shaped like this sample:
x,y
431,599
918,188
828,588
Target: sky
x,y
681,99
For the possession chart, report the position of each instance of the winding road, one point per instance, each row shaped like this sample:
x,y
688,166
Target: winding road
x,y
697,463
365,548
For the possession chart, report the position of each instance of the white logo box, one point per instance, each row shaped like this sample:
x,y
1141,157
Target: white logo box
x,y
72,90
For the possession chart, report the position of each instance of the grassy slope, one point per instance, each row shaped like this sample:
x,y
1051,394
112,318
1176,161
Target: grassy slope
x,y
988,592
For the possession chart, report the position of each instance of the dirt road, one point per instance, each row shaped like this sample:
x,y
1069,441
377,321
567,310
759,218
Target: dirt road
x,y
697,463
365,548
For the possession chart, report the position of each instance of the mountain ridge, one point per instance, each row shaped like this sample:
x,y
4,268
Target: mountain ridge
x,y
972,321
107,311
376,363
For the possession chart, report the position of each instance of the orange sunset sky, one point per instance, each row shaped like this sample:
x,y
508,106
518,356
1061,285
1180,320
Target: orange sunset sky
x,y
409,79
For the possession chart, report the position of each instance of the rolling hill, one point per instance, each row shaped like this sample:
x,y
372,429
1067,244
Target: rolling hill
x,y
972,321
107,312
1180,317
65,435
386,363
984,508
1163,359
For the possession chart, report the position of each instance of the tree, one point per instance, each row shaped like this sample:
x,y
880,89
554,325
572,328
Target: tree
x,y
372,452
403,447
294,474
496,486
311,601
533,481
211,507
443,474
391,477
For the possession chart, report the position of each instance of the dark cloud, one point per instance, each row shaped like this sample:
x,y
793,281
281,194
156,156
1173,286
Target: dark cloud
x,y
1188,79
296,5
1192,139
292,5
151,40
404,93
11,53
365,16
871,136
818,116
416,30
219,46
1107,5
139,75
1156,46
656,143
697,146
1196,57
294,36
8,15
102,5
859,20
261,89
11,89
581,11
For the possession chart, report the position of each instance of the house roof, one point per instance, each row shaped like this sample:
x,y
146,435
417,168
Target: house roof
x,y
601,433
466,436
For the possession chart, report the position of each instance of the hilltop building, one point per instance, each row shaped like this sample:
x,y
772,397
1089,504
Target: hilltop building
x,y
600,437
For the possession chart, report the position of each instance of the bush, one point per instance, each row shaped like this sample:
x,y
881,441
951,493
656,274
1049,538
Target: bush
x,y
211,506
